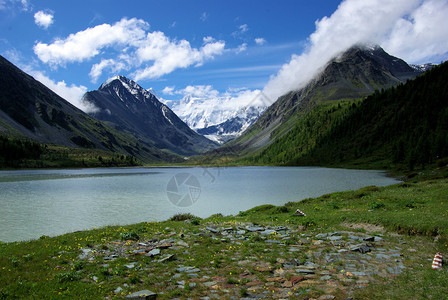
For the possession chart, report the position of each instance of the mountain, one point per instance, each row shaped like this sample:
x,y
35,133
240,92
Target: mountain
x,y
128,107
402,127
29,109
218,118
354,74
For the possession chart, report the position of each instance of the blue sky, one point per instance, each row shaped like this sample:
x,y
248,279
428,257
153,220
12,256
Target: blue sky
x,y
208,47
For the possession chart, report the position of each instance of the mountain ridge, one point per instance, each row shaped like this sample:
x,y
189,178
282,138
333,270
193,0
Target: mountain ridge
x,y
30,109
353,74
128,107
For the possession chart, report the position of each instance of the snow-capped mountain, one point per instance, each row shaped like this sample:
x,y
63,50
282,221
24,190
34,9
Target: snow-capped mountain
x,y
131,108
423,68
223,118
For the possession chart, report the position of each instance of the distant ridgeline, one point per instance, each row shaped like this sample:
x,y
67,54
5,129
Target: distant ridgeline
x,y
401,127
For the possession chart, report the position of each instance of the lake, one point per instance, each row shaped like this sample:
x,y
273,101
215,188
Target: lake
x,y
52,202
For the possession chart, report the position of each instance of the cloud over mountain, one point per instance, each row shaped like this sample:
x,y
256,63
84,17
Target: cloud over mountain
x,y
411,29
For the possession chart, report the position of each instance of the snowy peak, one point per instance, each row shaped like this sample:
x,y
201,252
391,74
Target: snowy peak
x,y
424,67
130,108
127,90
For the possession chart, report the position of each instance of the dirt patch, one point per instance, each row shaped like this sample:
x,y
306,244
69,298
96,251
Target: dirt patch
x,y
367,227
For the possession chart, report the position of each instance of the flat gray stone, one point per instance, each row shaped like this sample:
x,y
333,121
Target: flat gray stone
x,y
130,266
153,252
335,238
118,290
254,229
321,235
210,283
187,270
144,295
268,232
212,230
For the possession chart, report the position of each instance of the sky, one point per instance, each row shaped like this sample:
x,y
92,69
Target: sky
x,y
209,49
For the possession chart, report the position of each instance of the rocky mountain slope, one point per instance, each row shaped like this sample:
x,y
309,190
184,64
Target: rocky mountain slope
x,y
130,108
354,74
29,109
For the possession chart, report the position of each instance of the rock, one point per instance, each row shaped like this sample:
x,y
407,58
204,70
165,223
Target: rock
x,y
153,252
335,238
287,284
296,279
321,235
166,258
182,243
118,290
210,283
254,283
254,229
85,253
130,266
212,230
94,278
273,242
361,248
187,270
143,295
268,232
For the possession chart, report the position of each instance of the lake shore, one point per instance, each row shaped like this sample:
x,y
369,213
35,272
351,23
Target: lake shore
x,y
370,243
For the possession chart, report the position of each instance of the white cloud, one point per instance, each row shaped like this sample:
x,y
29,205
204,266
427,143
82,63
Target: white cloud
x,y
43,19
150,54
244,28
421,35
72,93
204,16
241,30
86,44
260,41
97,69
168,55
199,91
412,29
241,48
11,4
168,90
208,39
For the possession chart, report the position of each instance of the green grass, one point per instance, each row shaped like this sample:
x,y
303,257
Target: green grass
x,y
50,267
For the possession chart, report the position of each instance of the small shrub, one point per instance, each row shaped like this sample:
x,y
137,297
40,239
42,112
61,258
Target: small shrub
x,y
370,188
308,222
15,261
183,217
333,205
78,265
280,210
105,272
67,276
129,235
243,292
195,221
219,215
28,257
134,279
377,205
232,281
242,213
